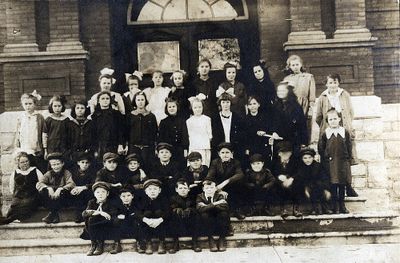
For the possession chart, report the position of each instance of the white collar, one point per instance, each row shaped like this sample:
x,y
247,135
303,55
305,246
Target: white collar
x,y
338,93
338,131
30,169
61,118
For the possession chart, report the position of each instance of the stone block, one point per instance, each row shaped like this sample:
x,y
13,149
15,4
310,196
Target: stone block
x,y
391,112
8,121
391,136
7,163
374,108
377,175
7,142
370,151
359,182
370,128
392,149
358,170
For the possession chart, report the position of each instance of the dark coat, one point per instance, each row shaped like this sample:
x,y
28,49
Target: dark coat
x,y
336,157
203,205
257,180
152,208
208,88
313,176
141,128
220,171
114,177
85,178
191,176
236,134
289,123
253,142
108,130
168,175
178,201
173,130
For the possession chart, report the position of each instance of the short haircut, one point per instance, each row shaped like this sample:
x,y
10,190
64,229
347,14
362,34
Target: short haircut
x,y
331,111
250,98
170,100
181,181
80,102
140,93
61,99
333,76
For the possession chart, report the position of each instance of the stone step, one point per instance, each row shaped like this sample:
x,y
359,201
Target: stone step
x,y
76,245
257,224
354,204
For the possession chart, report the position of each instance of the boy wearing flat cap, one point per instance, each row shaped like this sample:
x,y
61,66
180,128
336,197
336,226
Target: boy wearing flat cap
x,y
99,217
165,169
135,175
260,185
112,174
214,214
152,215
184,219
83,174
289,188
195,173
227,173
54,187
316,182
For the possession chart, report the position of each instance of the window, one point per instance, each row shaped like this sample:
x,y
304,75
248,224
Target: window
x,y
178,11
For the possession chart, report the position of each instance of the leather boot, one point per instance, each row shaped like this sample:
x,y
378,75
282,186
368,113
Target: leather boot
x,y
49,218
56,217
342,208
350,192
196,246
149,248
212,244
296,211
117,248
284,212
175,246
99,248
140,247
222,244
325,208
161,247
92,248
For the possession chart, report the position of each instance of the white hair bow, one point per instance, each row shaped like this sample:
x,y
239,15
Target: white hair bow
x,y
108,71
136,73
36,95
221,91
199,96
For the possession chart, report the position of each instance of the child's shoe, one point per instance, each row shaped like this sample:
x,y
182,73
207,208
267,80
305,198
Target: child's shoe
x,y
175,246
212,244
149,248
140,247
99,248
284,212
78,217
92,248
239,215
161,247
196,246
342,208
222,244
117,248
56,218
350,192
296,211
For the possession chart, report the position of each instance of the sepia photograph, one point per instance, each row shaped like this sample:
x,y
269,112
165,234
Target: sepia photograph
x,y
200,131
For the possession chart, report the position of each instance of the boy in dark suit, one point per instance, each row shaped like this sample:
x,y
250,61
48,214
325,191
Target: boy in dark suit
x,y
127,220
195,173
184,218
214,214
165,169
152,214
227,173
83,174
260,185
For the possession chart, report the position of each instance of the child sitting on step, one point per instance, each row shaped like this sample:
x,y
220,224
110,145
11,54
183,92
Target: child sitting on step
x,y
54,187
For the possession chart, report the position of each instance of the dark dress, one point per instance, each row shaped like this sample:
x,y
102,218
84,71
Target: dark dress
x,y
142,134
108,131
25,198
57,134
258,144
80,137
182,94
290,124
208,88
173,130
264,91
336,157
239,101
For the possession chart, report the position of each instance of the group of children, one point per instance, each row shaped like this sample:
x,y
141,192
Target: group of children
x,y
166,161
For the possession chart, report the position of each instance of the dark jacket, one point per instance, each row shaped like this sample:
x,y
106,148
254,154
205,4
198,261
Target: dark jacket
x,y
178,201
203,205
85,178
108,128
168,175
264,91
253,124
173,130
236,134
208,88
263,179
152,208
141,128
313,176
190,176
220,171
117,176
290,123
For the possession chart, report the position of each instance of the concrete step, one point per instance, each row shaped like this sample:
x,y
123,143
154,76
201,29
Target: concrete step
x,y
257,224
76,245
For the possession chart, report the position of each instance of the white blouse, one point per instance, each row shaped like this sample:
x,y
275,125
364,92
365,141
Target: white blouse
x,y
199,131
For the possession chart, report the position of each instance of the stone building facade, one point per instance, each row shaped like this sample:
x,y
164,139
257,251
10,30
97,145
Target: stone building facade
x,y
60,46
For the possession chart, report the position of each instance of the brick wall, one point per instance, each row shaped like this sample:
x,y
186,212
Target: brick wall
x,y
383,21
64,24
95,37
305,15
3,38
350,14
274,29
